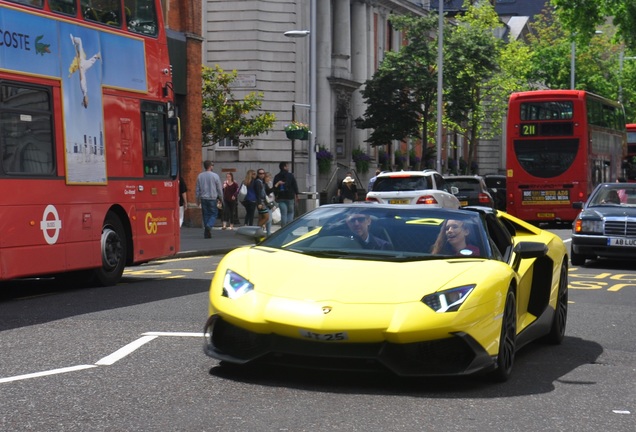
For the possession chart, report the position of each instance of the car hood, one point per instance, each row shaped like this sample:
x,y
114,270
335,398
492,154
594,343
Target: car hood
x,y
607,211
285,274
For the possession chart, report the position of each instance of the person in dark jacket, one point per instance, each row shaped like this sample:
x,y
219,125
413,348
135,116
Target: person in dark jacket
x,y
286,191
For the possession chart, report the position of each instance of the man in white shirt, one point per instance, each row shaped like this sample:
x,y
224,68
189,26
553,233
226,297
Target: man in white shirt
x,y
209,191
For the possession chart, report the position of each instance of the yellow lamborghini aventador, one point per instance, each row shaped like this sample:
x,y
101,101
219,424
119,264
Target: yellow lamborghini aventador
x,y
415,290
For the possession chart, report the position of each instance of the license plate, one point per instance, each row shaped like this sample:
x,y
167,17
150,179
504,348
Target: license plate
x,y
617,241
399,201
325,337
545,215
463,203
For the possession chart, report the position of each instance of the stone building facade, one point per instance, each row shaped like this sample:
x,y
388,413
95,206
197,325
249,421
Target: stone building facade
x,y
351,39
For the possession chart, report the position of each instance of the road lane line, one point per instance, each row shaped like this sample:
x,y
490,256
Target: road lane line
x,y
124,351
45,373
180,334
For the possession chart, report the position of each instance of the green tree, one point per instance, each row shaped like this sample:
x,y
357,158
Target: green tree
x,y
225,117
401,94
582,17
472,55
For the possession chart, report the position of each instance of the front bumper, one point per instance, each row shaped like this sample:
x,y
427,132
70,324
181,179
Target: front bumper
x,y
596,245
459,354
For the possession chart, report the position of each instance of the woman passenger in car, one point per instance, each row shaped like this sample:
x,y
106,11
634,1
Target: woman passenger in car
x,y
453,240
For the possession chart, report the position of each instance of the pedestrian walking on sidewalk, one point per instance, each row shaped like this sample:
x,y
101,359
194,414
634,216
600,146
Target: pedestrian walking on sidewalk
x,y
208,193
230,203
286,191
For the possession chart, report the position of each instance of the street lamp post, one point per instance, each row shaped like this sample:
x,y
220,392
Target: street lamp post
x,y
573,59
311,171
440,83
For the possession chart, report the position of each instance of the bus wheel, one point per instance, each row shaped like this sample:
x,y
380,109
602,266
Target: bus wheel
x,y
114,249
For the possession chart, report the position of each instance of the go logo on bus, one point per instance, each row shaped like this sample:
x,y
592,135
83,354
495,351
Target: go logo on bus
x,y
47,225
152,223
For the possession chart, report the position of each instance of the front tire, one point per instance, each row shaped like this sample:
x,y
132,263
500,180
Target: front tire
x,y
557,331
113,250
577,259
507,340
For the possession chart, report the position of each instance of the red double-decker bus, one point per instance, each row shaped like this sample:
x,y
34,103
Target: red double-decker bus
x,y
88,180
560,144
630,160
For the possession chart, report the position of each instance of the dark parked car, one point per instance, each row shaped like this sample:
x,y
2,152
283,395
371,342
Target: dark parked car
x,y
496,184
606,227
472,190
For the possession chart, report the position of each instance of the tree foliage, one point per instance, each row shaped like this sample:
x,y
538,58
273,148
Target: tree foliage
x,y
582,17
224,116
472,55
400,95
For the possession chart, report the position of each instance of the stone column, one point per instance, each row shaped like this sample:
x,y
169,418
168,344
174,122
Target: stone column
x,y
324,109
359,70
342,39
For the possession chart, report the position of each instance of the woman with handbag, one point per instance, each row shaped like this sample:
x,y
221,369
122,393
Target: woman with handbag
x,y
261,200
250,199
230,203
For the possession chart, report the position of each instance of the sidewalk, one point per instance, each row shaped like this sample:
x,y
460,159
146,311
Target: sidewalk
x,y
222,241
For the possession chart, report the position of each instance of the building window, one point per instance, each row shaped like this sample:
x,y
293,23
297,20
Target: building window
x,y
226,144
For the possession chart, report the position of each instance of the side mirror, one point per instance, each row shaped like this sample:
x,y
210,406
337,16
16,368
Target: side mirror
x,y
577,205
454,190
254,233
526,250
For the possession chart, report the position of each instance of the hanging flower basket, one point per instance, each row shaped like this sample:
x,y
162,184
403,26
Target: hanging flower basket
x,y
298,134
297,131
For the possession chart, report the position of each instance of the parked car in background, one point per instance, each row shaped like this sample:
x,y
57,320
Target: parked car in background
x,y
471,190
606,226
413,187
497,186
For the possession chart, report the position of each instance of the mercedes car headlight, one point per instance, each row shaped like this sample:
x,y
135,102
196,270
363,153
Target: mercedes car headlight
x,y
448,300
235,285
588,226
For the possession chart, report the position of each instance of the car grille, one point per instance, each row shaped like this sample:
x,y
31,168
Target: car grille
x,y
620,227
459,354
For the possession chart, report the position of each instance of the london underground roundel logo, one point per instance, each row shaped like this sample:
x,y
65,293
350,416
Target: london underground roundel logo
x,y
50,224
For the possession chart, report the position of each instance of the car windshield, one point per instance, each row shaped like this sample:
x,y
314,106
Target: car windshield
x,y
614,194
402,183
387,233
465,185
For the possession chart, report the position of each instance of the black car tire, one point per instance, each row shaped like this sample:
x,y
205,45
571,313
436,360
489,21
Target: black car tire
x,y
557,331
507,340
577,259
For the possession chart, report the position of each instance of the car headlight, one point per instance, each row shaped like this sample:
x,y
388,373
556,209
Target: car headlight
x,y
448,300
235,285
588,226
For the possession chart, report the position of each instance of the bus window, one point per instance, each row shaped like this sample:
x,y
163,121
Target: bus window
x,y
35,3
141,16
26,145
66,7
103,11
156,156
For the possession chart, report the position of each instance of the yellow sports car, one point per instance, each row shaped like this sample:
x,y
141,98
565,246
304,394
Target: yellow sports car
x,y
416,290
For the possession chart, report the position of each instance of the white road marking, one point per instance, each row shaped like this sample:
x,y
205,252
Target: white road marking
x,y
124,351
179,334
106,361
46,373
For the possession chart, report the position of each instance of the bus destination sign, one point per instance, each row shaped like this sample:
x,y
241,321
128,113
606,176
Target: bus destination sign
x,y
529,129
552,197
